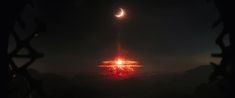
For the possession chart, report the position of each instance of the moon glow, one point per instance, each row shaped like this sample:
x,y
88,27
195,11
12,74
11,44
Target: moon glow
x,y
120,14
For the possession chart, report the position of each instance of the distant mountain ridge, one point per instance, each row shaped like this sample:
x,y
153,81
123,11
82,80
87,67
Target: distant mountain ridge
x,y
170,86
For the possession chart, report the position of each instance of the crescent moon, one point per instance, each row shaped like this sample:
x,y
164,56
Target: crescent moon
x,y
120,14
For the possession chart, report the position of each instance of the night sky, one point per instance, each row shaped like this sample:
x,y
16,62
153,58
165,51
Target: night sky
x,y
164,35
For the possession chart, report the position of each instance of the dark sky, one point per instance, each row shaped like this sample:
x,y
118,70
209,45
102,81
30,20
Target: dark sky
x,y
164,35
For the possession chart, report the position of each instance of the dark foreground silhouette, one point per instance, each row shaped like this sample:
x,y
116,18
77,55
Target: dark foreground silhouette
x,y
155,86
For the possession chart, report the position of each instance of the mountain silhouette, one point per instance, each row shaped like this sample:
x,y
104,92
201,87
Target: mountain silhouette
x,y
161,86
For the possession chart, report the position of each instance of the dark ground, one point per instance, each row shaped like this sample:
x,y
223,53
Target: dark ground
x,y
154,86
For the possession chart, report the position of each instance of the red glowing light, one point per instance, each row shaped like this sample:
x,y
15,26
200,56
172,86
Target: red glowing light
x,y
119,68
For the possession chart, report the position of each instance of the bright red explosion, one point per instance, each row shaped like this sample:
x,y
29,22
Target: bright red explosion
x,y
119,68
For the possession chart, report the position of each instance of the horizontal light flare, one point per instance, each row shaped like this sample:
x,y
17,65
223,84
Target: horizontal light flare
x,y
120,68
125,62
123,65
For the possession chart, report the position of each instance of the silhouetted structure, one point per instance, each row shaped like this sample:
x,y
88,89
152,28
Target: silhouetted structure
x,y
222,80
226,69
19,83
